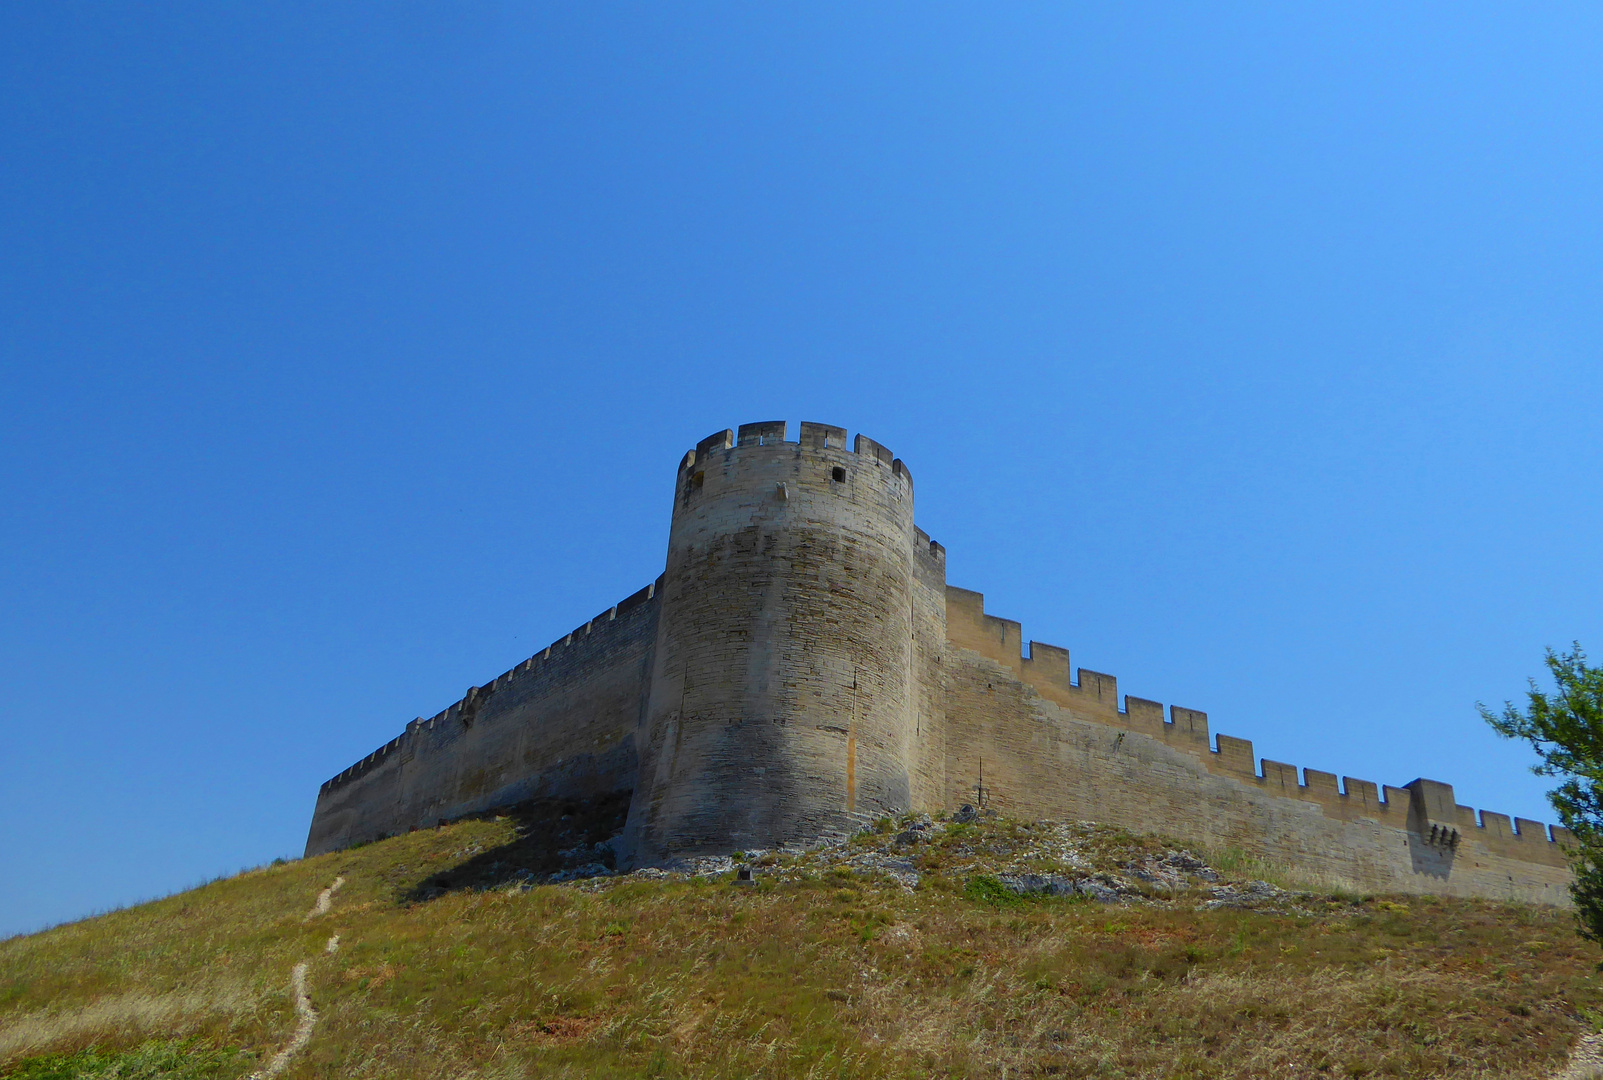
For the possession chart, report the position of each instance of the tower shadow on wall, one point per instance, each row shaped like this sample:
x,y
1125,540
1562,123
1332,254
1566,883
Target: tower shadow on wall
x,y
1435,860
552,835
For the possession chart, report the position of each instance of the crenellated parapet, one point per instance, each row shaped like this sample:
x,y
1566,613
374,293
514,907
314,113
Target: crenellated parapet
x,y
802,666
815,437
445,725
1424,808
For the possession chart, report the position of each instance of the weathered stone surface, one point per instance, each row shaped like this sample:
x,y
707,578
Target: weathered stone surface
x,y
803,668
782,690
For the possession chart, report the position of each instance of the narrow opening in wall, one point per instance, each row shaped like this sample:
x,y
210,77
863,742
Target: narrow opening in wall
x,y
697,480
838,474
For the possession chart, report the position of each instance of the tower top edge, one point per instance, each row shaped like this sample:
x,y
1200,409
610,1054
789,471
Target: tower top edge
x,y
812,436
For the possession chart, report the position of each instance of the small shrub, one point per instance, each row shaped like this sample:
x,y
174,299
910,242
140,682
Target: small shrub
x,y
1229,860
986,889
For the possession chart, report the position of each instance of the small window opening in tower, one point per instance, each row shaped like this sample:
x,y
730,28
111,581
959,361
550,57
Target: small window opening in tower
x,y
838,474
697,480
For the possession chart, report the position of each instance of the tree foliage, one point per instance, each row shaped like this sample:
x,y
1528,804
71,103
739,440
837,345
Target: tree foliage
x,y
1566,730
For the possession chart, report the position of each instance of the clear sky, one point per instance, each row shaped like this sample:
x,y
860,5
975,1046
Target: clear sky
x,y
347,352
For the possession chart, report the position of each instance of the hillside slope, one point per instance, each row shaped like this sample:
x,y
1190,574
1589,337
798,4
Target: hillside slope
x,y
989,949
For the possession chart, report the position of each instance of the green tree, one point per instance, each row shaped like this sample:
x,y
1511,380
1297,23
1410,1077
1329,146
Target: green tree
x,y
1566,730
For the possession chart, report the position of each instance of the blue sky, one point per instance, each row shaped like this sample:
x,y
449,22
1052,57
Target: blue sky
x,y
347,352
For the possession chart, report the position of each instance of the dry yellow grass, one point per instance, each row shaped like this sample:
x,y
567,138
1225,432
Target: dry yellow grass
x,y
830,975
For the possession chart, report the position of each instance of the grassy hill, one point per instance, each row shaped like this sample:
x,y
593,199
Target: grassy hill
x,y
934,951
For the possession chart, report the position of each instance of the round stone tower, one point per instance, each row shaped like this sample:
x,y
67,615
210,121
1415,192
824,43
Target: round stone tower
x,y
782,692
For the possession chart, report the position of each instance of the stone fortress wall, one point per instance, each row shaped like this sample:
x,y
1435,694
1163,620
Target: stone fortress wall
x,y
802,666
560,724
1053,746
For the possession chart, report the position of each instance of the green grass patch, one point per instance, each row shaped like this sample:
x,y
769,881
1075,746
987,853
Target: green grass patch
x,y
986,889
185,1060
